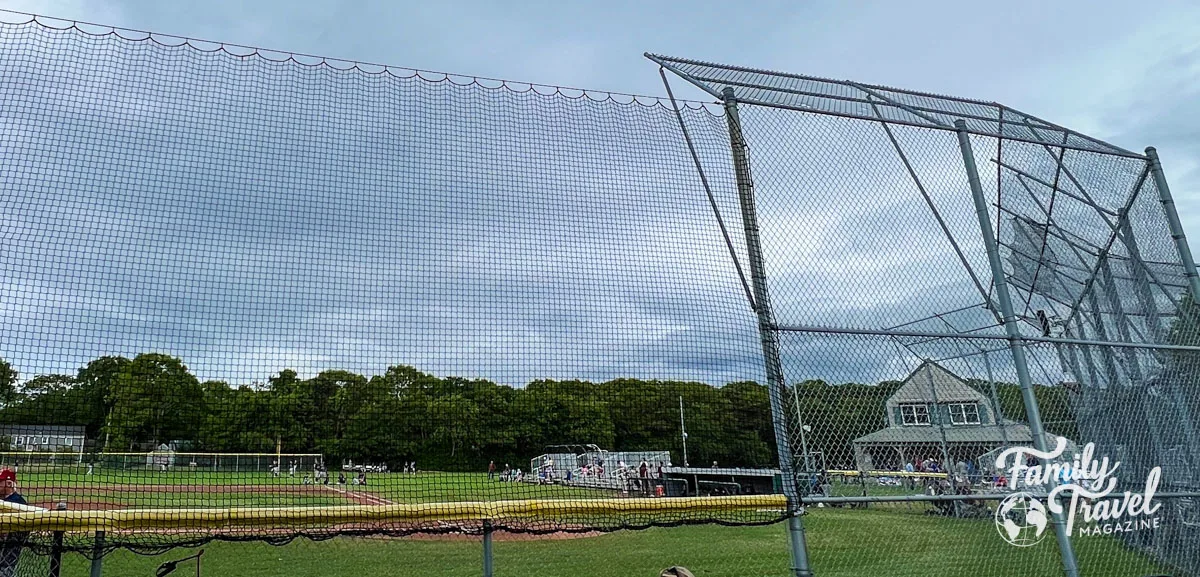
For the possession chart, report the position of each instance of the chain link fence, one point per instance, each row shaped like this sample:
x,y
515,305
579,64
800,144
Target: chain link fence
x,y
460,311
952,282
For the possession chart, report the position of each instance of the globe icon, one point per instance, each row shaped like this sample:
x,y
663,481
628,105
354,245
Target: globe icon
x,y
1021,519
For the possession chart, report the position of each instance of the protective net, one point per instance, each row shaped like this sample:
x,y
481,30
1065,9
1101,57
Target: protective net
x,y
905,385
250,296
255,296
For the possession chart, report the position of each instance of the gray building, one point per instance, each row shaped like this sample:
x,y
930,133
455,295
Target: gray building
x,y
935,413
43,438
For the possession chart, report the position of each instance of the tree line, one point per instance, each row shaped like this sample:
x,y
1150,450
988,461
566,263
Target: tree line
x,y
446,423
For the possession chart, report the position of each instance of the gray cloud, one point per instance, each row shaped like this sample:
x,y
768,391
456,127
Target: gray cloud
x,y
464,255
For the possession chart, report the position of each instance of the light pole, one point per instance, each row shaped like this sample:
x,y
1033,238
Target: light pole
x,y
803,429
683,431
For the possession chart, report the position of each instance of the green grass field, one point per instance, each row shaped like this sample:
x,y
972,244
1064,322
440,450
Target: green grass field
x,y
843,542
885,540
186,489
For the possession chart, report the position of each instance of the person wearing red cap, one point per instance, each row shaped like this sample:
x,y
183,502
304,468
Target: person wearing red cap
x,y
10,543
8,487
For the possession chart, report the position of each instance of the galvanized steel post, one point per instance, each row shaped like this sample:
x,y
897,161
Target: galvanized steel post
x,y
1004,301
767,332
98,555
487,549
1176,227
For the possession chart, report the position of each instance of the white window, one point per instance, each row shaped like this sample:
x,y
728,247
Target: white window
x,y
964,414
914,414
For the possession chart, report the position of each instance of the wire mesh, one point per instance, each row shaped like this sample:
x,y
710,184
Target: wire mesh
x,y
385,293
907,379
252,297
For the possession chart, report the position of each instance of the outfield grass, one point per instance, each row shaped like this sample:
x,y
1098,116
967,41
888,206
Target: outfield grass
x,y
213,489
844,543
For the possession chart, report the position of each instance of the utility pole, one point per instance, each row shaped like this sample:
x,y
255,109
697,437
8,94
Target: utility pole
x,y
683,431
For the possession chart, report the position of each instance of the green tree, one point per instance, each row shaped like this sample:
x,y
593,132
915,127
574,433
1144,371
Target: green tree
x,y
96,383
155,399
48,385
8,384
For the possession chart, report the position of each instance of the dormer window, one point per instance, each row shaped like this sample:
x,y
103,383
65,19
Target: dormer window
x,y
915,415
964,414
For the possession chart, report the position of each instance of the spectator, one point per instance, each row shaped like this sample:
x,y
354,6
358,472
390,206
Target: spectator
x,y
644,469
341,479
660,470
11,543
491,470
507,475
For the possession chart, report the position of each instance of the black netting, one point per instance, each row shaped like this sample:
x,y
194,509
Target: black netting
x,y
339,297
251,297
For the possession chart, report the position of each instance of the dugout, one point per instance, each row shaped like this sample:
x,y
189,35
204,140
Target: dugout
x,y
702,481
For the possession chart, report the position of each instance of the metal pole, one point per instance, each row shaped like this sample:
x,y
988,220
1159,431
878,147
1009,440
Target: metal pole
x,y
683,431
56,546
487,549
998,412
803,438
766,330
1181,244
935,412
56,552
98,555
1189,266
1070,567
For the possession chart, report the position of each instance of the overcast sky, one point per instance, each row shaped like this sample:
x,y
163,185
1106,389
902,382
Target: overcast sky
x,y
1126,73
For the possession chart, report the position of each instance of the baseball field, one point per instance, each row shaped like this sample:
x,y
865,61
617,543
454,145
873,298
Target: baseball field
x,y
906,539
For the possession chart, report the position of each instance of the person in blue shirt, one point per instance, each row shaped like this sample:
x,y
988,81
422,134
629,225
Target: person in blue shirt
x,y
10,543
